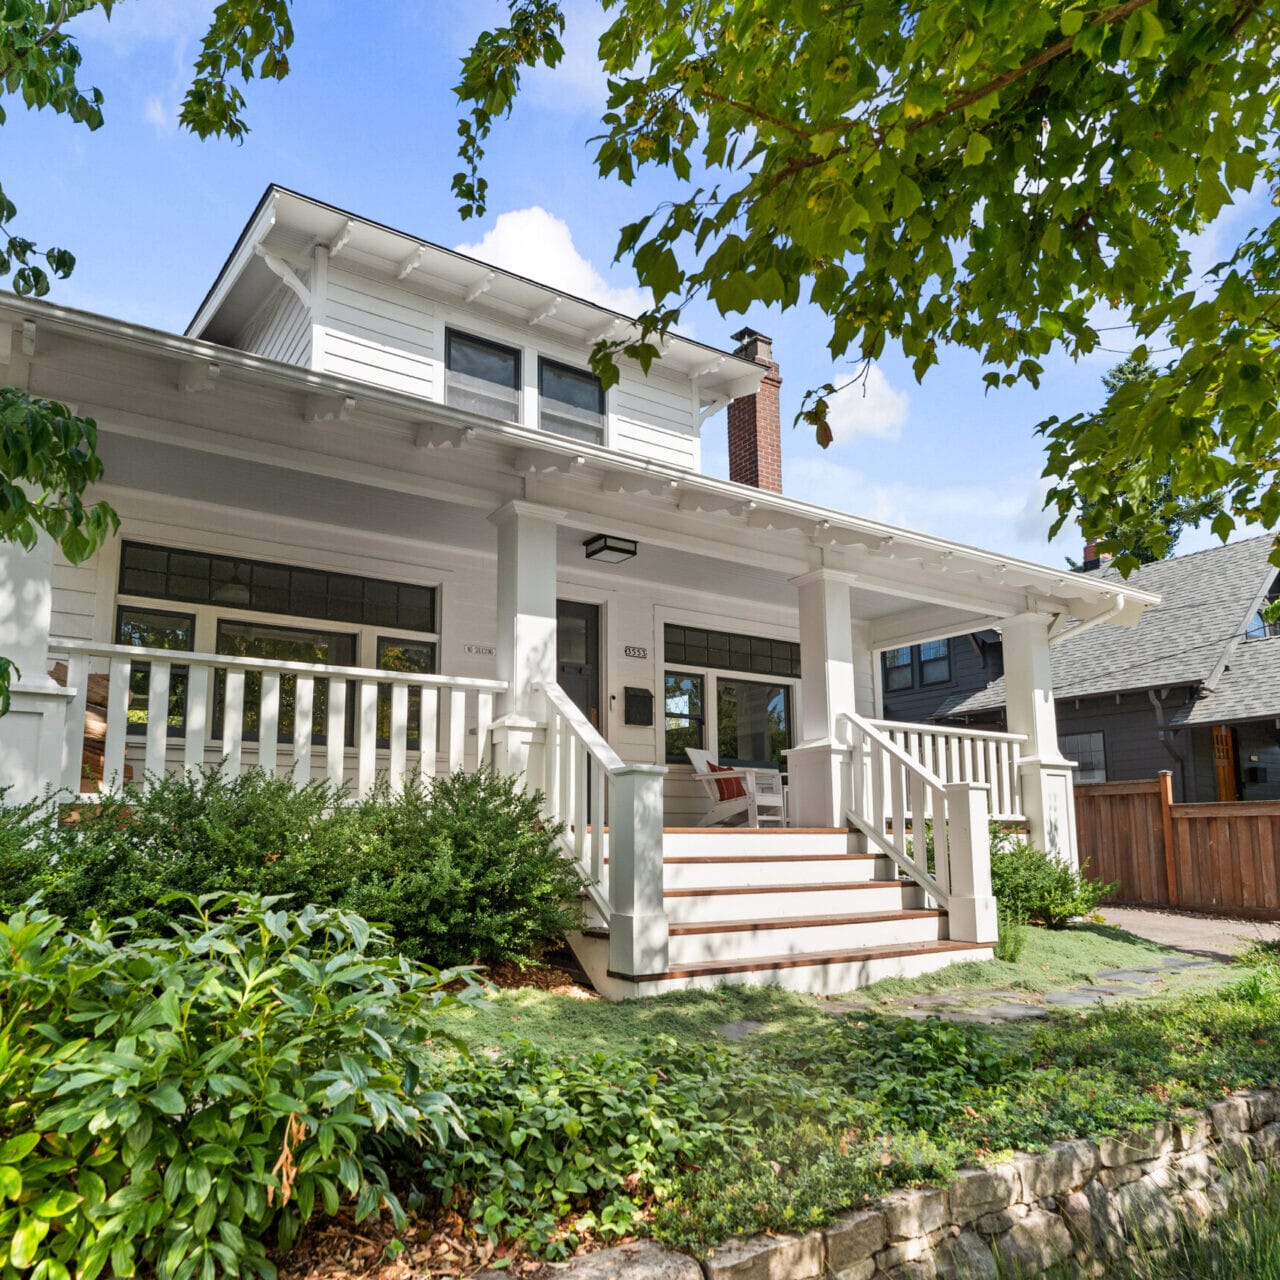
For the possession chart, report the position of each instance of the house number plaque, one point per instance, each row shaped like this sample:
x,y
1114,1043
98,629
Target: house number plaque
x,y
635,651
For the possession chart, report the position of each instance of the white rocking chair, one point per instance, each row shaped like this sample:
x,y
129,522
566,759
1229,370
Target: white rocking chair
x,y
752,797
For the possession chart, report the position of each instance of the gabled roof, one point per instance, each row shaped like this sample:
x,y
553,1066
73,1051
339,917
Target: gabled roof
x,y
1189,638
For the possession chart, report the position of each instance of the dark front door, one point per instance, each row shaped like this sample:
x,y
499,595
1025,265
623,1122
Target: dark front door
x,y
578,655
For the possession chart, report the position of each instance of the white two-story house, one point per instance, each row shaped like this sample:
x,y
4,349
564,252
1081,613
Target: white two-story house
x,y
378,516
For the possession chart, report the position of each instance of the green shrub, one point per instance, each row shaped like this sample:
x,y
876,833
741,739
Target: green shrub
x,y
463,871
1033,885
168,1103
1011,939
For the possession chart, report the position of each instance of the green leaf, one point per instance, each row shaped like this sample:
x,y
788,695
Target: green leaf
x,y
976,150
168,1100
26,1241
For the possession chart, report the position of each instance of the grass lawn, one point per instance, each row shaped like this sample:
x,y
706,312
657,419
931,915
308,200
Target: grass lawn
x,y
1052,960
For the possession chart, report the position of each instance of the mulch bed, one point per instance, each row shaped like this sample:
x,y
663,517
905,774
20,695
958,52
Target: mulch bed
x,y
543,977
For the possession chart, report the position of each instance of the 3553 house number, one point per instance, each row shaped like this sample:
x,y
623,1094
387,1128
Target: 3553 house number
x,y
635,651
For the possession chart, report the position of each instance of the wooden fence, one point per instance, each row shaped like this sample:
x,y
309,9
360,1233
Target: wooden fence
x,y
1223,859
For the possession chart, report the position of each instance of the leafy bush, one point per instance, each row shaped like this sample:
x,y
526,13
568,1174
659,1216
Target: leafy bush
x,y
464,871
564,1144
168,1103
1033,885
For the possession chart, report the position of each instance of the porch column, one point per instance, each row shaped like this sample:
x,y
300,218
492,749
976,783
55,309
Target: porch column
x,y
828,689
31,732
526,631
1047,797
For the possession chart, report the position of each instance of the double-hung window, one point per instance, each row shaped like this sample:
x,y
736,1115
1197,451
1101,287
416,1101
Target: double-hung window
x,y
935,662
917,665
481,377
730,694
1089,754
572,402
898,670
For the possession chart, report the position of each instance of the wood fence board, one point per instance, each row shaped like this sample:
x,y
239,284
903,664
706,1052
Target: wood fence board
x,y
1222,858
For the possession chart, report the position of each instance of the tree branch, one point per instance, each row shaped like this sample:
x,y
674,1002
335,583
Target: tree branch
x,y
53,30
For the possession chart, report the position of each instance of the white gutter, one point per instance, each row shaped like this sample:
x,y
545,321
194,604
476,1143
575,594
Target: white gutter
x,y
1080,628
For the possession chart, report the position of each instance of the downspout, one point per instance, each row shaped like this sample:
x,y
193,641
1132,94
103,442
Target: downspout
x,y
1089,623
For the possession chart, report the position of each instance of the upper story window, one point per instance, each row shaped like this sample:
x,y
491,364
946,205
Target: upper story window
x,y
481,377
1259,628
572,402
919,665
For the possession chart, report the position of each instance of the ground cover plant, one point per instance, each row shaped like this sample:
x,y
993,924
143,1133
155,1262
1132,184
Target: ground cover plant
x,y
461,871
173,1104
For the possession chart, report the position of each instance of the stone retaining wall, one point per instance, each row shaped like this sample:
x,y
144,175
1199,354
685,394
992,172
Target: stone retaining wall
x,y
1081,1201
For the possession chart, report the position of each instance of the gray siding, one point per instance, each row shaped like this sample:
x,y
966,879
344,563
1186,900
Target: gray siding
x,y
968,674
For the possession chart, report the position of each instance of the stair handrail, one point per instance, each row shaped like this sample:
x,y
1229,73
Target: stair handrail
x,y
903,851
611,818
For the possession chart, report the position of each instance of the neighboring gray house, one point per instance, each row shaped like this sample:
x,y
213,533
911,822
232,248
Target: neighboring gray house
x,y
1194,687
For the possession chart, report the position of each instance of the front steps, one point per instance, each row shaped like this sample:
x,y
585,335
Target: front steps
x,y
804,909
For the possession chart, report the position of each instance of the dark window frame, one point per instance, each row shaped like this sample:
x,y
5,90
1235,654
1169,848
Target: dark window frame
x,y
414,727
788,698
365,610
453,335
679,757
921,660
908,668
1101,735
719,651
545,363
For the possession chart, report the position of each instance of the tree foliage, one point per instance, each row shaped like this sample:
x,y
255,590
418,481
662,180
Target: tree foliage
x,y
48,454
1150,524
1012,179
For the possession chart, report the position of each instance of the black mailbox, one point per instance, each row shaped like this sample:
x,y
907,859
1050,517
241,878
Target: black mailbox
x,y
637,706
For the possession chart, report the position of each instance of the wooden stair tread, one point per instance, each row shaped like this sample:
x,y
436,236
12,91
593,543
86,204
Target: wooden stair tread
x,y
787,922
713,968
822,886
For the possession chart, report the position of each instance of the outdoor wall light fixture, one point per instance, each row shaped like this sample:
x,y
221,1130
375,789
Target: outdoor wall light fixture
x,y
609,549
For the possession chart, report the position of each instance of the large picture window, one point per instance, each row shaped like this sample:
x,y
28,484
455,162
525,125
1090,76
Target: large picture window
x,y
572,402
481,377
752,722
286,644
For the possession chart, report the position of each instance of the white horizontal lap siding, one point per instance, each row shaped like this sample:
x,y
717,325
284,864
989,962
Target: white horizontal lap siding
x,y
280,329
75,598
660,400
655,443
376,332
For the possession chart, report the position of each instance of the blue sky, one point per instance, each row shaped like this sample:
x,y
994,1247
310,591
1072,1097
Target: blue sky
x,y
367,120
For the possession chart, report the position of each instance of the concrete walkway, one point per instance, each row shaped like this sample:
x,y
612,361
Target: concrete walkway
x,y
1210,936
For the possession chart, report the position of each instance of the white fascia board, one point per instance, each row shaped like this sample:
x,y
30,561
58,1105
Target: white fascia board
x,y
1060,589
254,234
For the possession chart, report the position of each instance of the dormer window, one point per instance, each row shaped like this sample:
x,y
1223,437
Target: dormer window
x,y
481,377
572,402
1259,628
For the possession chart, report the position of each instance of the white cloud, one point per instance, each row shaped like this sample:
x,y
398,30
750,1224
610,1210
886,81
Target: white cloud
x,y
871,406
535,243
162,117
143,22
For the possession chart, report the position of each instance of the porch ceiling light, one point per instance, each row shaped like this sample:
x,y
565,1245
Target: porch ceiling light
x,y
608,548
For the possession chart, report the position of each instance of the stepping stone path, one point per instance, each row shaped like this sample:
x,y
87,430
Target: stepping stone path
x,y
739,1030
991,1007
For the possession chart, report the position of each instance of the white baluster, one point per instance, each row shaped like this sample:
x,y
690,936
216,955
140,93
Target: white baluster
x,y
484,722
565,811
919,841
269,722
897,799
335,732
117,725
233,723
399,736
941,841
73,730
427,740
580,792
303,710
457,729
197,717
157,720
367,740
597,823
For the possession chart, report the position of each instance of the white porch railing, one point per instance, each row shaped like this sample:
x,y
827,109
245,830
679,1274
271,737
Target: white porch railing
x,y
965,755
612,815
192,696
885,788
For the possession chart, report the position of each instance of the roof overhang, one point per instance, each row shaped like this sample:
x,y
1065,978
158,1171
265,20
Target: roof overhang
x,y
291,226
945,587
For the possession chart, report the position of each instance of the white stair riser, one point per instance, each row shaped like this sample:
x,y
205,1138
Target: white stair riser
x,y
707,875
769,906
742,945
817,979
725,842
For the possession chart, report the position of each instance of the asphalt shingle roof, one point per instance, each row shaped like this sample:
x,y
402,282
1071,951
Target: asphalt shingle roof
x,y
1205,602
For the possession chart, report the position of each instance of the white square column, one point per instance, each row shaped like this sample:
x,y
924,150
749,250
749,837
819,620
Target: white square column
x,y
31,733
1048,798
833,653
526,631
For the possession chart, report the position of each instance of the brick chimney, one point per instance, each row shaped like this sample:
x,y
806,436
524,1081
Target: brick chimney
x,y
1093,559
755,421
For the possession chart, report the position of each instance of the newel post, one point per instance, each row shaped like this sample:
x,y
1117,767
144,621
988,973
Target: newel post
x,y
971,908
31,732
637,921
